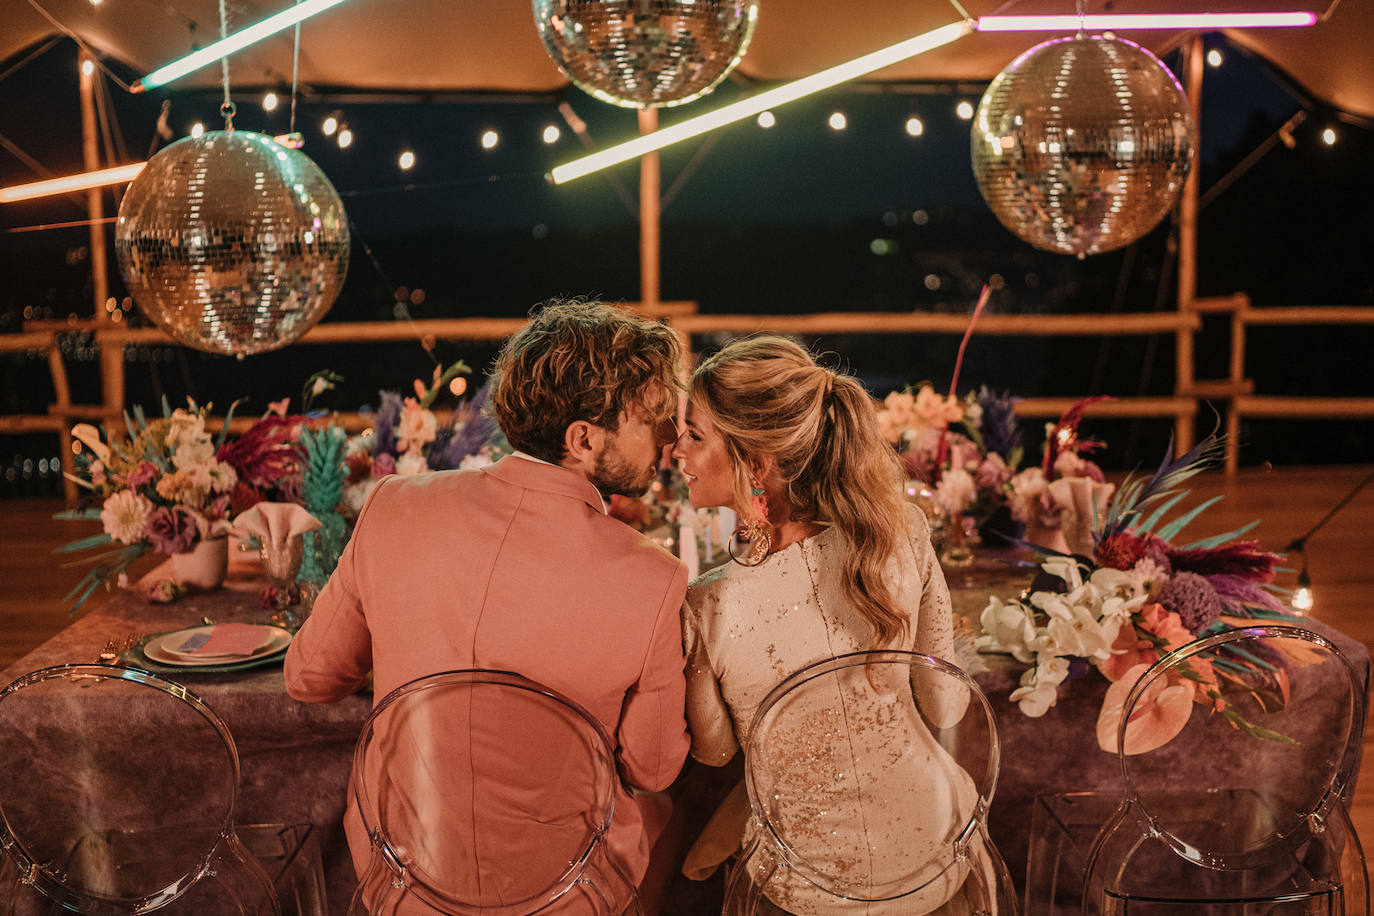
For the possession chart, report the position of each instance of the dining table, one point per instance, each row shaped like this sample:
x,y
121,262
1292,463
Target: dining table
x,y
295,757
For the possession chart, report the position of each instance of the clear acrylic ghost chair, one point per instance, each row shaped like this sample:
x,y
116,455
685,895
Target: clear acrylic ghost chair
x,y
1231,816
869,778
117,792
485,792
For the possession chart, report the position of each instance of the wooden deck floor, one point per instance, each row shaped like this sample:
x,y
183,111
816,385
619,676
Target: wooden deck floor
x,y
1286,501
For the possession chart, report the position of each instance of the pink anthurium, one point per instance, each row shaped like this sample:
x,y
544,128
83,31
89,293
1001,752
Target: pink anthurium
x,y
1159,714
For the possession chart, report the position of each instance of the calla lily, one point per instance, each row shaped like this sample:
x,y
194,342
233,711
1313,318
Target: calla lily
x,y
1158,715
89,436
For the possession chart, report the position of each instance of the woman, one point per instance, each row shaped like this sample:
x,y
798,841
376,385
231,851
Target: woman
x,y
834,562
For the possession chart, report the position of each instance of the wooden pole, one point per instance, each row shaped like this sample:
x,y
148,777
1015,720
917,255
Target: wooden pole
x,y
95,202
648,216
1187,250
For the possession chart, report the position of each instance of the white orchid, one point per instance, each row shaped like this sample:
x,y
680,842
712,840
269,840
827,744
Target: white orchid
x,y
1040,686
1011,626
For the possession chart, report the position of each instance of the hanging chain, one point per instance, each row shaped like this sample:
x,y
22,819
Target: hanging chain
x,y
226,109
295,69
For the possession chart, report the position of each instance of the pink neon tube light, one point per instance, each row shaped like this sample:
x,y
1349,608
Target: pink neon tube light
x,y
1128,21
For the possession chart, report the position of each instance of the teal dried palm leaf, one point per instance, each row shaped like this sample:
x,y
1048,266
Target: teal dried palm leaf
x,y
1133,498
1219,539
89,514
87,543
103,573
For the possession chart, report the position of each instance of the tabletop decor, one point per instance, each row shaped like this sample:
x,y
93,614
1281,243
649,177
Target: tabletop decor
x,y
1058,501
232,243
166,488
1082,144
407,438
699,537
1135,596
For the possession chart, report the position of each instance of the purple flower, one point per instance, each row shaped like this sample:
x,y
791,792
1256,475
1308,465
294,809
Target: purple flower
x,y
384,424
1193,599
172,530
383,464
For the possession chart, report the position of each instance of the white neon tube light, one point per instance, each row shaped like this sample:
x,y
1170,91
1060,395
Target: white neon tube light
x,y
236,42
1130,21
763,101
84,181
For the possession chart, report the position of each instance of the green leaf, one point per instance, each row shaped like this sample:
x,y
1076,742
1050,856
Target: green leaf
x,y
224,430
87,543
1148,525
1218,540
83,514
1170,530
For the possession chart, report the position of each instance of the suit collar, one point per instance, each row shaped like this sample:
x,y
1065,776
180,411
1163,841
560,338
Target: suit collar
x,y
549,478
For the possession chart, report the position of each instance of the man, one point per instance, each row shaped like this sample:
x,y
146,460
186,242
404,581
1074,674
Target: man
x,y
517,567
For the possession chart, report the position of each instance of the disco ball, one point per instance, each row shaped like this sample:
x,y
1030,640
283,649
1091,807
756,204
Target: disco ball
x,y
232,243
646,53
1081,145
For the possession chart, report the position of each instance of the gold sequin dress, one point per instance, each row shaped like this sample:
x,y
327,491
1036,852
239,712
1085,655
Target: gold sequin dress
x,y
745,629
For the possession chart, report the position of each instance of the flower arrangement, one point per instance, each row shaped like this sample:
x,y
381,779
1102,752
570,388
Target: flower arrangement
x,y
667,516
407,437
166,488
1134,597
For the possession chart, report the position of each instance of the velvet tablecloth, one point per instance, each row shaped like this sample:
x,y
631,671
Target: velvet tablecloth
x,y
295,757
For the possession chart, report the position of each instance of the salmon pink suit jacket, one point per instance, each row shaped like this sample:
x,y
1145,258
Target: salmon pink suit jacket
x,y
514,567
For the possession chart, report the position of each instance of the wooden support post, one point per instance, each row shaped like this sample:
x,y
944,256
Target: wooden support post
x,y
648,215
95,202
112,380
1187,248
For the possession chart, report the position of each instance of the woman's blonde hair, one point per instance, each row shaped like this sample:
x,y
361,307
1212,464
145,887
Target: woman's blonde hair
x,y
767,396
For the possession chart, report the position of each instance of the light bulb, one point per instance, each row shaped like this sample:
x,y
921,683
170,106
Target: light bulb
x,y
1302,599
330,125
964,109
1329,137
345,138
269,102
552,133
915,126
838,121
766,119
407,160
197,130
490,138
1214,58
87,67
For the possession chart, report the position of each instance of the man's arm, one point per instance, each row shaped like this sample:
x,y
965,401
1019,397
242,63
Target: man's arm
x,y
652,735
331,656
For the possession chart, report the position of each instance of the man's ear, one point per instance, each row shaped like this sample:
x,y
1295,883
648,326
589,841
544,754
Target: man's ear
x,y
582,444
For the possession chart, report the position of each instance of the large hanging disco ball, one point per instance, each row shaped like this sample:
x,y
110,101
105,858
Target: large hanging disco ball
x,y
232,243
1082,144
646,53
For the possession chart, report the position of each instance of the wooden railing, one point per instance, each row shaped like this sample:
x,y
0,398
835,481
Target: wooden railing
x,y
1235,391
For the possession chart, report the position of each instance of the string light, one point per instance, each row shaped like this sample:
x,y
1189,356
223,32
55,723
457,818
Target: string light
x,y
915,126
87,67
552,133
269,102
1302,598
1329,137
345,138
330,125
197,130
760,102
837,120
766,119
490,138
964,109
407,160
1214,58
236,42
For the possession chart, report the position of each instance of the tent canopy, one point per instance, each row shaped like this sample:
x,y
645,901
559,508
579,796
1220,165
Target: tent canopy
x,y
492,45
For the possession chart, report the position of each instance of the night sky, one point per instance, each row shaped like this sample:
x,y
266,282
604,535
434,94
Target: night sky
x,y
795,218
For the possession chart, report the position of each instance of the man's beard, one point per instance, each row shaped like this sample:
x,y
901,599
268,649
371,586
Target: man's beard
x,y
614,475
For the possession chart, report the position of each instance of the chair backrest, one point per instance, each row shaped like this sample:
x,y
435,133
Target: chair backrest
x,y
117,792
485,792
872,774
1276,712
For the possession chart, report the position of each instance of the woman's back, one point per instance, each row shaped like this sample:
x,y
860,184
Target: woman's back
x,y
747,629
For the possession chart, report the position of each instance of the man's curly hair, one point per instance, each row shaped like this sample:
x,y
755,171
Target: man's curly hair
x,y
580,360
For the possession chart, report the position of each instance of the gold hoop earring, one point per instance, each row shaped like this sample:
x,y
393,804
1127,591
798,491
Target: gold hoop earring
x,y
755,531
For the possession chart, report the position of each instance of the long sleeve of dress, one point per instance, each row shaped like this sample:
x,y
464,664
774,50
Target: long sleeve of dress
x,y
708,715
